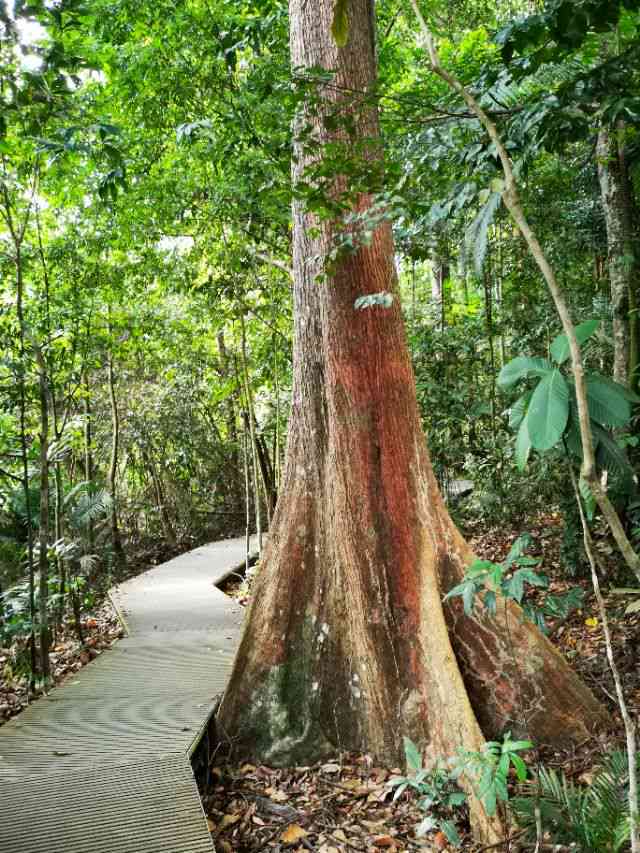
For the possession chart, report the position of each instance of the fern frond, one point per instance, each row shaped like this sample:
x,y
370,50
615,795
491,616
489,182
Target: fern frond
x,y
89,508
595,819
477,233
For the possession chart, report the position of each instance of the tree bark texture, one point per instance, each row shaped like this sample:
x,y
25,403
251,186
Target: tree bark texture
x,y
347,644
112,473
616,206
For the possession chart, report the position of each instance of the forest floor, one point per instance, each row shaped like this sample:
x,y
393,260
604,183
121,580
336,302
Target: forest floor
x,y
346,803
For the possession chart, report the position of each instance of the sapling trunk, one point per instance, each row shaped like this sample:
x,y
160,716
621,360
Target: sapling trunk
x,y
112,473
247,491
252,432
43,525
628,721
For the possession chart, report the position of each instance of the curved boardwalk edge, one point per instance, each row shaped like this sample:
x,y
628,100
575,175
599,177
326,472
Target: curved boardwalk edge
x,y
102,763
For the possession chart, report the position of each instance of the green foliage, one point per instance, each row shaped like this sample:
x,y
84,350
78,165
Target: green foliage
x,y
437,791
548,411
487,582
489,769
547,418
595,818
560,345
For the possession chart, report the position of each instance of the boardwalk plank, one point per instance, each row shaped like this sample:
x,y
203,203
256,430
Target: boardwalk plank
x,y
101,764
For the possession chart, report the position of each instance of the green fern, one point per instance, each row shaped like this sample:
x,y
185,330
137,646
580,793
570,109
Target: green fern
x,y
596,818
477,236
83,506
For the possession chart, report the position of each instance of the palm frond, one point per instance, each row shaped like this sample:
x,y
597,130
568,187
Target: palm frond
x,y
88,508
595,819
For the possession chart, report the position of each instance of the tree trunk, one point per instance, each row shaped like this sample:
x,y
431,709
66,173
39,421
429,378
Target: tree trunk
x,y
252,432
615,203
347,645
116,539
88,453
43,524
231,423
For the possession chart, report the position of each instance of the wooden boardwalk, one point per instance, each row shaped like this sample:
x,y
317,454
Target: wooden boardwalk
x,y
102,763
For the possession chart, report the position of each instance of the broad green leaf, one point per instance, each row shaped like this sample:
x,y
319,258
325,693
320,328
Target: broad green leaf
x,y
518,411
519,766
572,438
548,411
560,346
449,829
340,24
515,745
608,403
519,548
521,368
514,587
412,754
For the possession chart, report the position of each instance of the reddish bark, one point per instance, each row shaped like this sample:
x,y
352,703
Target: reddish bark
x,y
346,644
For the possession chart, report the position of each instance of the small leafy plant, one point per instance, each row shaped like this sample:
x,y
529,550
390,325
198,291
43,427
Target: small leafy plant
x,y
485,580
437,790
490,769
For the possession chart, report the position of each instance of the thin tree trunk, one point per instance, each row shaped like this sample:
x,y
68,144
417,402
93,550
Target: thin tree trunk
x,y
277,448
43,530
88,453
165,521
231,419
615,203
112,473
247,492
252,431
17,235
57,521
346,645
25,459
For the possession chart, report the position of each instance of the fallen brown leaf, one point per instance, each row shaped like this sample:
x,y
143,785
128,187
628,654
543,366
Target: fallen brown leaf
x,y
294,832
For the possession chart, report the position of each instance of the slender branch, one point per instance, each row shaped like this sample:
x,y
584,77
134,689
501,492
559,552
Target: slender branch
x,y
10,476
274,262
629,723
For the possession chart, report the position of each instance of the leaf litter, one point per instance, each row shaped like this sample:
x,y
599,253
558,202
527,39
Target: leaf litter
x,y
344,804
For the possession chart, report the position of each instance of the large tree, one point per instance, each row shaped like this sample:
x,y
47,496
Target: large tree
x,y
347,643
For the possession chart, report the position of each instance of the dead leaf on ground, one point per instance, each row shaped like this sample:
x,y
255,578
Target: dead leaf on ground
x,y
293,833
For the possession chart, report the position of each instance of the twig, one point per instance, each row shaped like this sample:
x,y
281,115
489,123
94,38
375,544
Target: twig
x,y
507,840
